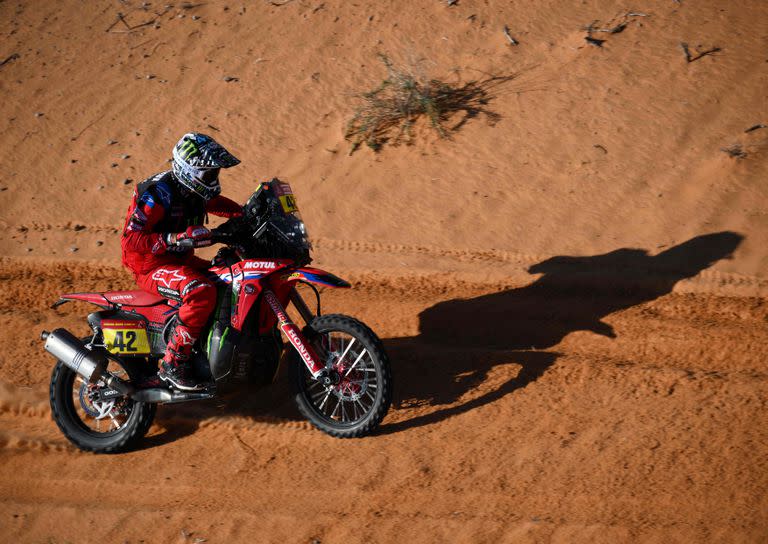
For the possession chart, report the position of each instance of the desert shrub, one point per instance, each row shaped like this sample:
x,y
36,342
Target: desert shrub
x,y
389,112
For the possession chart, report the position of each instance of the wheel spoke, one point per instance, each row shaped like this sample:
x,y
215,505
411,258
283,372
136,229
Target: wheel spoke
x,y
362,406
356,361
328,394
349,346
314,384
319,394
337,407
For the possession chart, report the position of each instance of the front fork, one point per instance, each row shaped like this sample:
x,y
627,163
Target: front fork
x,y
293,332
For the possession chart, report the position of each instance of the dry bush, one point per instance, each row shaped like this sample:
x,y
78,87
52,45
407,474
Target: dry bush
x,y
388,112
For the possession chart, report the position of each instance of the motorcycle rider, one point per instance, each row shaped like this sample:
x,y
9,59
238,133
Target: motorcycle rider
x,y
164,225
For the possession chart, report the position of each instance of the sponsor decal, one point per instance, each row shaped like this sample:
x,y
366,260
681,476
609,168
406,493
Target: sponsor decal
x,y
121,297
121,324
260,265
164,193
182,336
191,286
282,188
293,276
158,246
188,149
285,195
200,231
276,307
168,293
147,200
290,330
138,220
167,276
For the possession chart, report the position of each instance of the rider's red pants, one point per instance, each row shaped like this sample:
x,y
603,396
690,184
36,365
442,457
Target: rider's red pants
x,y
188,284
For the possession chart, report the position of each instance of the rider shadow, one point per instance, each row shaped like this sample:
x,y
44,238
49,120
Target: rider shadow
x,y
463,341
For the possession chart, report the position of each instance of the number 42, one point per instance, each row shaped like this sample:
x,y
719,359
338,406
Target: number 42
x,y
125,343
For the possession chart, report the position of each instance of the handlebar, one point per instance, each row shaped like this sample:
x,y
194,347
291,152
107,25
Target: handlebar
x,y
220,237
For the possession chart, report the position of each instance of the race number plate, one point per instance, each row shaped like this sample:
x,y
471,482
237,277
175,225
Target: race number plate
x,y
125,337
285,194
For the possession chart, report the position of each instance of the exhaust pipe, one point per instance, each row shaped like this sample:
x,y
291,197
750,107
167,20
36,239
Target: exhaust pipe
x,y
166,396
68,349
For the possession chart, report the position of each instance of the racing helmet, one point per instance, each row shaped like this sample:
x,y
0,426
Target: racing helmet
x,y
197,159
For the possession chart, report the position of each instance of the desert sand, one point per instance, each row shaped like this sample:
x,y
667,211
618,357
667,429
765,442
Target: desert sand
x,y
572,291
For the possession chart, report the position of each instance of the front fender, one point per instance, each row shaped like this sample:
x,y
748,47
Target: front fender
x,y
315,275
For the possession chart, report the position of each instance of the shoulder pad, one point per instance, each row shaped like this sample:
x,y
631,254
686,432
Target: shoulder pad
x,y
164,193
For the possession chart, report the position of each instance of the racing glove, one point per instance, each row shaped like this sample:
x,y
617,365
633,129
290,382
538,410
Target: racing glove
x,y
193,237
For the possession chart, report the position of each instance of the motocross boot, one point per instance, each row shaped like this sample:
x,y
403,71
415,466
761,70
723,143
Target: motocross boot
x,y
174,366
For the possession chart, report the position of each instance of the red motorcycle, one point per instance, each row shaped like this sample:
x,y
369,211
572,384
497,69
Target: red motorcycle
x,y
104,391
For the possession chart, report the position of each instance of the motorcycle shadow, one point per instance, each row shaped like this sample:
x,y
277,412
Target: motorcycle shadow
x,y
235,407
472,352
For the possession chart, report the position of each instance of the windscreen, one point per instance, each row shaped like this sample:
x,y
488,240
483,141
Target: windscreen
x,y
285,219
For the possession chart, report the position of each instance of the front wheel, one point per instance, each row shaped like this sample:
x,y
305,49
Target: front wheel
x,y
357,401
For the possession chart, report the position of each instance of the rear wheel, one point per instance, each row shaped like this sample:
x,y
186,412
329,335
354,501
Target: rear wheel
x,y
360,392
93,423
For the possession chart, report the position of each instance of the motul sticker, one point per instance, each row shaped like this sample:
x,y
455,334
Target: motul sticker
x,y
261,265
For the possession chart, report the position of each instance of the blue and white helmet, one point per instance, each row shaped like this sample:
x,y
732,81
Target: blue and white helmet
x,y
197,159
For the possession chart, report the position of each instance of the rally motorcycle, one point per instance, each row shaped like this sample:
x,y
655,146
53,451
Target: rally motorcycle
x,y
104,389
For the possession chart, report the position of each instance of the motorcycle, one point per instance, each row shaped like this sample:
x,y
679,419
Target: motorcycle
x,y
104,389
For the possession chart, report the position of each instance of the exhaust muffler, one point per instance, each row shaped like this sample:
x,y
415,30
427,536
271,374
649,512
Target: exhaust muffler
x,y
68,349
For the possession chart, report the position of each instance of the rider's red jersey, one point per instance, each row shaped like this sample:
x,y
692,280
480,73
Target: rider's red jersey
x,y
157,208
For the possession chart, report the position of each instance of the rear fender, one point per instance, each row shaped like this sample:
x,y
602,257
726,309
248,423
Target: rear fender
x,y
94,298
315,275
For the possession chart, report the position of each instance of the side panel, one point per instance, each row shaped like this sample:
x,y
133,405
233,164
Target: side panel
x,y
157,317
124,333
221,338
